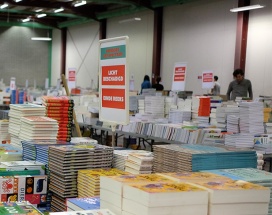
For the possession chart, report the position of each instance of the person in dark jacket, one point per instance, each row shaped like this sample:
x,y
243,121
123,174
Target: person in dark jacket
x,y
158,86
146,83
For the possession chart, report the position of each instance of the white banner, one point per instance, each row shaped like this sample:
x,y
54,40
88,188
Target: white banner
x,y
179,77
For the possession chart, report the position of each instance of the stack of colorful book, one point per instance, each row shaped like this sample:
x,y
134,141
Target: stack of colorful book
x,y
16,112
88,181
240,140
60,109
139,163
10,153
78,204
236,197
21,207
66,161
193,158
4,134
24,188
38,128
255,176
111,188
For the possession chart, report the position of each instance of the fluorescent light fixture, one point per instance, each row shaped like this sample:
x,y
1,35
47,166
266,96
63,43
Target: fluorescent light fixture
x,y
3,6
41,15
41,38
18,0
26,20
58,10
39,10
80,3
251,7
130,20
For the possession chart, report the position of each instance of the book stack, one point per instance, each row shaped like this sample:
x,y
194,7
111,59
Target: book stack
x,y
169,103
88,181
85,212
268,127
60,109
233,124
120,157
4,134
24,188
10,153
213,116
111,188
22,165
177,116
221,117
38,128
21,207
16,112
236,197
141,106
267,114
79,204
240,140
251,117
216,101
169,198
185,105
64,163
193,158
201,105
255,176
155,106
139,163
133,103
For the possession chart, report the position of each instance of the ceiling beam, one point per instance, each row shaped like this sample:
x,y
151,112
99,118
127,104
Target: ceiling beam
x,y
25,24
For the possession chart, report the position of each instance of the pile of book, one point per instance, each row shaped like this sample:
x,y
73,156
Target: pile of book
x,y
251,117
4,134
64,163
79,204
233,124
119,158
201,106
38,128
139,163
88,181
177,116
141,106
221,117
16,112
60,109
169,105
252,175
10,153
185,105
192,158
155,106
20,207
151,194
240,140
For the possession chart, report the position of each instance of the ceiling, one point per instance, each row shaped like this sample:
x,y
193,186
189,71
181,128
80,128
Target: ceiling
x,y
93,10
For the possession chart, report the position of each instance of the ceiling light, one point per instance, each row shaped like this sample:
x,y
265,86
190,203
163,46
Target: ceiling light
x,y
58,10
39,10
251,7
41,38
3,6
18,0
80,3
41,15
130,20
26,20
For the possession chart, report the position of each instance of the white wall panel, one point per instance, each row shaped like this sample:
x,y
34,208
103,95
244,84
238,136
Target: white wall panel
x,y
140,42
202,34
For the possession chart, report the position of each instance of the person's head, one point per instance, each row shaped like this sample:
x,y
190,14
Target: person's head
x,y
158,79
215,78
238,74
146,78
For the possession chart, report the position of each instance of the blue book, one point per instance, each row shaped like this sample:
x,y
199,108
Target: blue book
x,y
79,204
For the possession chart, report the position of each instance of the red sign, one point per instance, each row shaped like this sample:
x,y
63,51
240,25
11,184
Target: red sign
x,y
113,98
72,75
179,73
113,75
207,77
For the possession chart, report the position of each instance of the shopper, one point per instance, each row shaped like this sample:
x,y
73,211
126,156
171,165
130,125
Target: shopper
x,y
158,86
216,86
146,83
240,87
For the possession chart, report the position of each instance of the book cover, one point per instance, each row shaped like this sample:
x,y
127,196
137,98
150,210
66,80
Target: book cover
x,y
89,203
14,208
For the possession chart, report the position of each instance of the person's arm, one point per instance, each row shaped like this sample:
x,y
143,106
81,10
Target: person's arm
x,y
229,91
250,93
